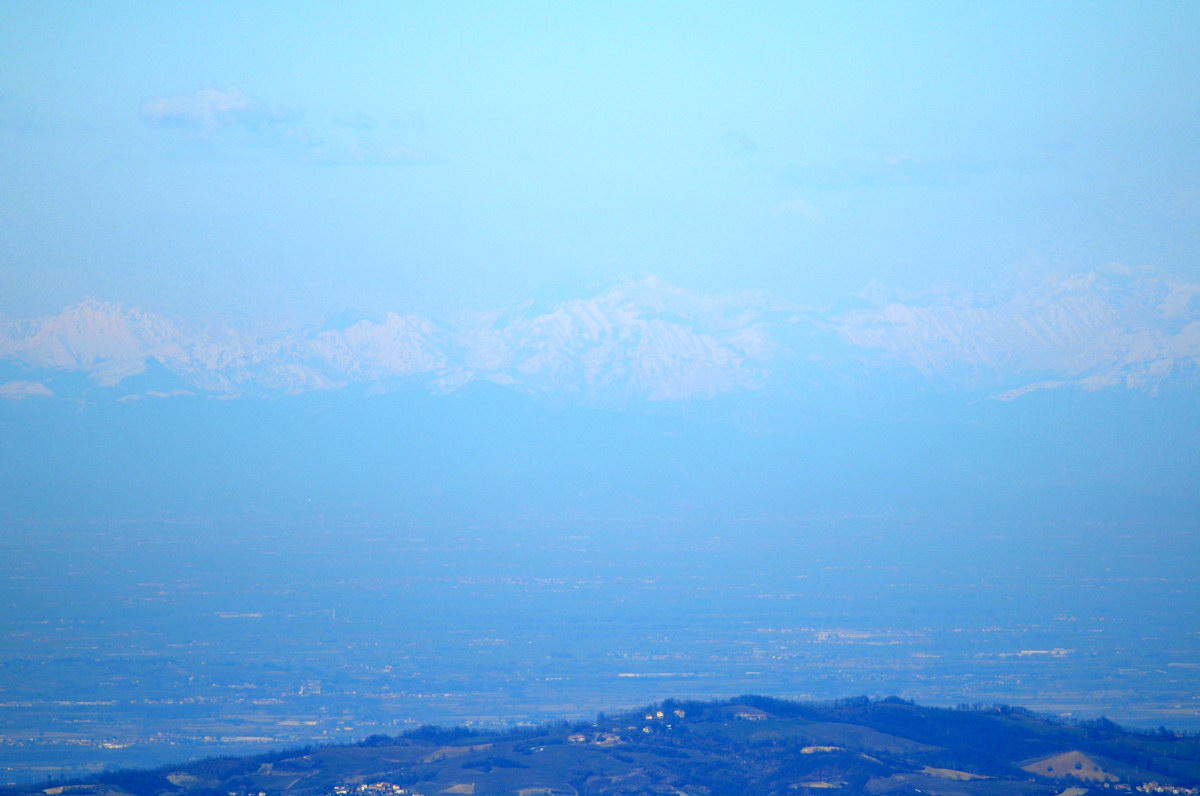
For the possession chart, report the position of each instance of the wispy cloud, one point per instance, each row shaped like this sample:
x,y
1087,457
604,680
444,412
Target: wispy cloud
x,y
230,117
363,154
804,209
738,140
16,390
887,171
207,110
358,121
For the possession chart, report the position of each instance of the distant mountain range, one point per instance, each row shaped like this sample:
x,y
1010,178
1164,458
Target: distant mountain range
x,y
646,341
747,745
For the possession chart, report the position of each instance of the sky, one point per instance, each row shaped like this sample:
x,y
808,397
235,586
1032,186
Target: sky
x,y
277,163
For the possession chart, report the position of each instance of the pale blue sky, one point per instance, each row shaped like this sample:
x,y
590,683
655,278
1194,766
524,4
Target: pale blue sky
x,y
286,161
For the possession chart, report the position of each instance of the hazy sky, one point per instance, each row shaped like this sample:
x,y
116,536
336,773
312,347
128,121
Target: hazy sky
x,y
284,161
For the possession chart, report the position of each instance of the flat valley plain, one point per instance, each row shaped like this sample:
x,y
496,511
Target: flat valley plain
x,y
138,644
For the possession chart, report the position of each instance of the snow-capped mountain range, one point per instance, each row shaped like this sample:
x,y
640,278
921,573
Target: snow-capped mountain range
x,y
648,340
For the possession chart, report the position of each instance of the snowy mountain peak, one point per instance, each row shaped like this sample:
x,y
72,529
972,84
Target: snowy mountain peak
x,y
101,338
650,340
1102,328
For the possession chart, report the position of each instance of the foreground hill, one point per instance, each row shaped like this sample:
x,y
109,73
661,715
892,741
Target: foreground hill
x,y
751,745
